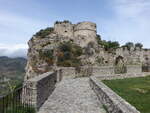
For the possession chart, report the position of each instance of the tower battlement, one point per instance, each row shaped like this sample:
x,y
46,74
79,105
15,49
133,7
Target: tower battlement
x,y
82,33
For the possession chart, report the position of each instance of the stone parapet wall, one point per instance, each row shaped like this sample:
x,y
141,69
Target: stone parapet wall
x,y
113,102
103,70
134,69
39,88
68,71
73,72
121,76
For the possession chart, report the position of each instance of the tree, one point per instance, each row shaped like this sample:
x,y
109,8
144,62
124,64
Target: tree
x,y
110,45
98,38
69,54
139,45
129,45
113,45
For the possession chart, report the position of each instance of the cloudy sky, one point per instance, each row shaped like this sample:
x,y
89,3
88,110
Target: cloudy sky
x,y
119,20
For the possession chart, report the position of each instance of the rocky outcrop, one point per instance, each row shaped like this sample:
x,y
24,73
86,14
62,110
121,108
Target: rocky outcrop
x,y
43,46
83,49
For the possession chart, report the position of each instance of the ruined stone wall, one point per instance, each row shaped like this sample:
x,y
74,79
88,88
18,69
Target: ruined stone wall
x,y
135,56
83,34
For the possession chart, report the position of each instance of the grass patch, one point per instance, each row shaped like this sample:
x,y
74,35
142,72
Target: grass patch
x,y
105,108
134,90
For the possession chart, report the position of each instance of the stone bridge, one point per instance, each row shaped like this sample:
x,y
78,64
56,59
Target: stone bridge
x,y
56,92
50,94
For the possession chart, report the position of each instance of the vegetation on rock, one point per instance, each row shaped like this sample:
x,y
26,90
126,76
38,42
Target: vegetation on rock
x,y
100,60
68,54
139,45
65,21
44,32
107,44
129,45
47,55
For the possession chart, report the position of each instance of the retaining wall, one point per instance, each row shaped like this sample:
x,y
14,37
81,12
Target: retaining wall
x,y
113,102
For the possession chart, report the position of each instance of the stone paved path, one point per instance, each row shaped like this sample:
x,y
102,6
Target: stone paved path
x,y
73,96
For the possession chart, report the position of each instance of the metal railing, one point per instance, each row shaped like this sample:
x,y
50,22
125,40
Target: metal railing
x,y
15,102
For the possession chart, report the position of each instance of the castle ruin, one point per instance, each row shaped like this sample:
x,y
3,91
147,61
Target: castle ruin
x,y
84,34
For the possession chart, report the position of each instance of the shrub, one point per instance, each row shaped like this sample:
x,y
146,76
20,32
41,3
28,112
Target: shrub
x,y
68,54
47,55
98,38
109,45
129,45
100,60
44,32
65,21
139,45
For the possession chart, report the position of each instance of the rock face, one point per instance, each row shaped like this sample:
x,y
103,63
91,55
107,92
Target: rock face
x,y
82,34
44,49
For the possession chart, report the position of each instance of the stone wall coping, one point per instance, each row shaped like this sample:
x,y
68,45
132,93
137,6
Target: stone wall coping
x,y
116,100
66,67
40,77
120,76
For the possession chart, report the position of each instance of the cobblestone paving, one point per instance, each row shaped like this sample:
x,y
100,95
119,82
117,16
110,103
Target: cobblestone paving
x,y
73,96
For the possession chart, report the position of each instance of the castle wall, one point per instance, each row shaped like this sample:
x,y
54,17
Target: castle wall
x,y
85,25
103,70
68,71
84,33
134,69
64,29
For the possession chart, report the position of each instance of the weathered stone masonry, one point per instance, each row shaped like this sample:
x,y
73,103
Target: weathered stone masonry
x,y
113,102
40,87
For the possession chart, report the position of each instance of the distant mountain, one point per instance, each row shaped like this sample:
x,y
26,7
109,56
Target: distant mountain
x,y
12,64
12,71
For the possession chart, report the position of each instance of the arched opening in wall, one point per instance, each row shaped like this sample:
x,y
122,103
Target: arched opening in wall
x,y
120,66
146,65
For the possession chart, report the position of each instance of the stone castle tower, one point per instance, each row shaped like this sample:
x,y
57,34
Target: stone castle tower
x,y
81,33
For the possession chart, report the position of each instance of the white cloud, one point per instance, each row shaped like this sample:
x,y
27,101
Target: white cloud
x,y
132,8
16,29
17,50
130,21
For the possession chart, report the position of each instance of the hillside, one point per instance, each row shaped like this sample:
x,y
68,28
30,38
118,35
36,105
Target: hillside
x,y
12,70
12,64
